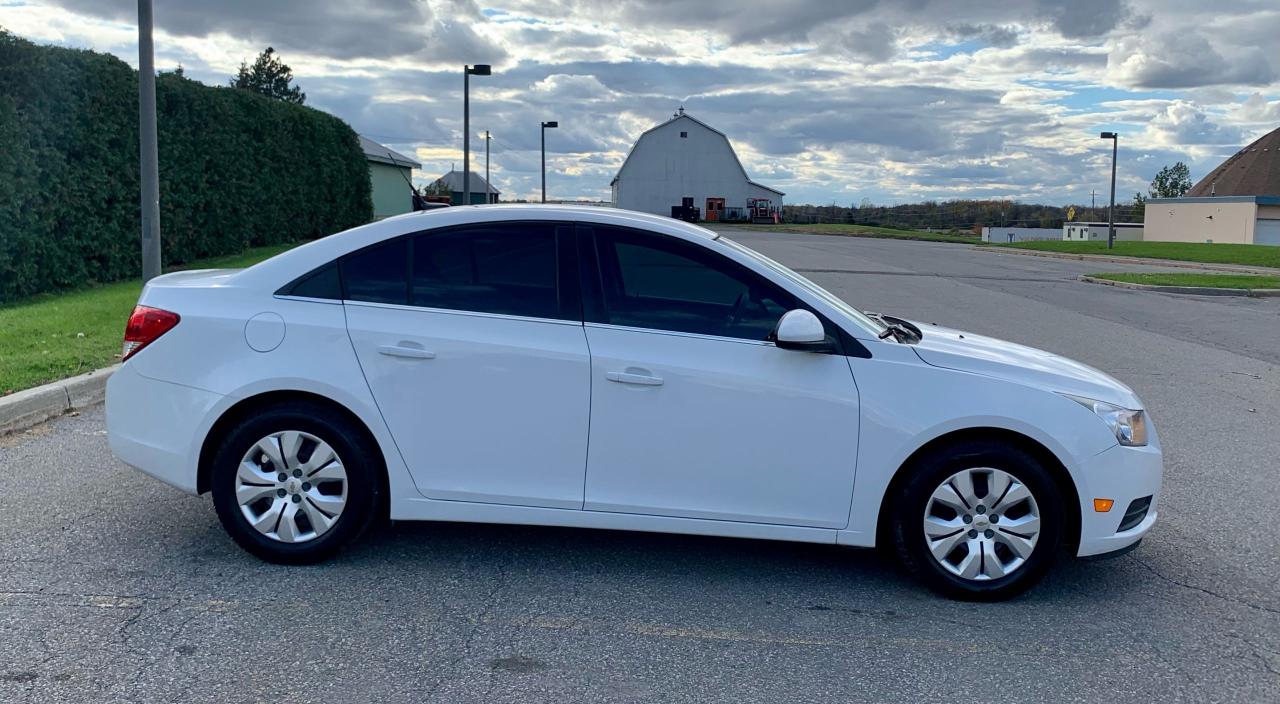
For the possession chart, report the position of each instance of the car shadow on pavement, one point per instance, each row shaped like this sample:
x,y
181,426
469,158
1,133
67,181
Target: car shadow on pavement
x,y
634,557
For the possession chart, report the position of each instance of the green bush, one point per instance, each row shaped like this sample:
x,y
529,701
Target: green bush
x,y
237,170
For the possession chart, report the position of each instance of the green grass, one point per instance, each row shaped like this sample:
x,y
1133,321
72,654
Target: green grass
x,y
858,231
1206,280
1244,254
52,337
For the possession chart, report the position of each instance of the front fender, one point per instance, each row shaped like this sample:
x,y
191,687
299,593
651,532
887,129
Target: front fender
x,y
906,404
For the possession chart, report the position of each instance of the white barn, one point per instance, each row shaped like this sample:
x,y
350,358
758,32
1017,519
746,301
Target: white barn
x,y
686,162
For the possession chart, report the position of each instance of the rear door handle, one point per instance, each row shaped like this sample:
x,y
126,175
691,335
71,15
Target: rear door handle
x,y
630,377
406,352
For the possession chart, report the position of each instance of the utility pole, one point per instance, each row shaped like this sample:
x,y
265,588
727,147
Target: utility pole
x,y
148,152
1111,213
552,124
467,72
1093,199
488,187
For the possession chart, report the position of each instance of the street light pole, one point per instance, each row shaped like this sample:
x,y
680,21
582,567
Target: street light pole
x,y
467,73
148,152
553,124
1111,212
488,190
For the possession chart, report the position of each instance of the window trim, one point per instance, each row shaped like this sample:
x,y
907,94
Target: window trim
x,y
681,333
466,313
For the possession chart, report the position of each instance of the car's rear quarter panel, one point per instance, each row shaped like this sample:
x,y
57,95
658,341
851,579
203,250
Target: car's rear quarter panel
x,y
208,352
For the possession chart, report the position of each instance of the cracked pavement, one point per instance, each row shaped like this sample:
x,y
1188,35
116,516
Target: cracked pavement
x,y
114,587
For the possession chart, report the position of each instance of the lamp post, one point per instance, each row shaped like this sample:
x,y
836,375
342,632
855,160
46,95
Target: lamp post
x,y
553,124
467,73
148,151
1111,213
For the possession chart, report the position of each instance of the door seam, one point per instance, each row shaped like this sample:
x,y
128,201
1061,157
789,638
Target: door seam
x,y
591,396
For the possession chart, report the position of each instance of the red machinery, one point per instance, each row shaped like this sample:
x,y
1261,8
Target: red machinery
x,y
761,210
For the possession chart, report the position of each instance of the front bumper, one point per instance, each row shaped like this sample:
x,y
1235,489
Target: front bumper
x,y
154,426
1124,475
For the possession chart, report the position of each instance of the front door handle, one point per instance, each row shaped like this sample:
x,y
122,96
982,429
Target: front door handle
x,y
634,377
406,352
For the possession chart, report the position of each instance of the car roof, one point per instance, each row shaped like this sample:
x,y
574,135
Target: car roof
x,y
281,269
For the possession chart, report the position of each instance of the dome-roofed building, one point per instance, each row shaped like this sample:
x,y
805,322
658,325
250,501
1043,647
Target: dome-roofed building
x,y
1237,202
1252,171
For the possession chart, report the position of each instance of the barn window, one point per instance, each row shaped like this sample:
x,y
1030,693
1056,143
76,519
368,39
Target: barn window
x,y
684,135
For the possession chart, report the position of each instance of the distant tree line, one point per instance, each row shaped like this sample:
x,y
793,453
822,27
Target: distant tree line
x,y
972,215
236,169
956,215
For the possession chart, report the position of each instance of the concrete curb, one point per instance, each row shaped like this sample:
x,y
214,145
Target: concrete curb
x,y
1171,263
1187,290
24,409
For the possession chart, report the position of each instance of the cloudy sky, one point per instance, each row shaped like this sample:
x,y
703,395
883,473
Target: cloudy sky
x,y
829,100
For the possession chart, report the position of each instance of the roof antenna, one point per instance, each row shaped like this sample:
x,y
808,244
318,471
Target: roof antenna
x,y
406,178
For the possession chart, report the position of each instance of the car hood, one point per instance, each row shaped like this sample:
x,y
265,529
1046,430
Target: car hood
x,y
962,351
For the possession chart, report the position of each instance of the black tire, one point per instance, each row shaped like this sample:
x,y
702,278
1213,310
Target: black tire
x,y
929,472
360,458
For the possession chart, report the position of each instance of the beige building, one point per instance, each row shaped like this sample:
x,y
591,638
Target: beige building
x,y
1230,219
1238,202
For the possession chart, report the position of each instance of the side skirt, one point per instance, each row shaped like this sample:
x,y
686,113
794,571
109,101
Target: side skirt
x,y
415,509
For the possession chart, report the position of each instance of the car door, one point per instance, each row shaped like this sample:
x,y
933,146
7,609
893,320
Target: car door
x,y
694,413
472,343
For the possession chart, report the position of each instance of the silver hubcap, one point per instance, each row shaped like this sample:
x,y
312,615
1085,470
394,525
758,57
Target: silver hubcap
x,y
981,523
291,486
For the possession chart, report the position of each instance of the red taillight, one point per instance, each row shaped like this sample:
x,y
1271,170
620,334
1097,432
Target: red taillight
x,y
145,326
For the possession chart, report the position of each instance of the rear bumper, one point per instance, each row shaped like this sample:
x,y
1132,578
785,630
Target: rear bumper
x,y
1124,475
153,425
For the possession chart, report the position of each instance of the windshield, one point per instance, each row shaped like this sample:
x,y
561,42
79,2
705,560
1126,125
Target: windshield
x,y
875,327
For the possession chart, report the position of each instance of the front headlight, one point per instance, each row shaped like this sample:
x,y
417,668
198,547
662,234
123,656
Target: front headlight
x,y
1130,427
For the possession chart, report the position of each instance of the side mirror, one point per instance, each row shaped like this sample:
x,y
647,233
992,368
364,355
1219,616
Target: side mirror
x,y
801,330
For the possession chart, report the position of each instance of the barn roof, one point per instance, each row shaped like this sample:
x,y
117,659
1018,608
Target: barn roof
x,y
453,181
686,116
384,155
1252,171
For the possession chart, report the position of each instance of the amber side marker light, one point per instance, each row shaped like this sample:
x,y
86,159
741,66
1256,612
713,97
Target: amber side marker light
x,y
1103,505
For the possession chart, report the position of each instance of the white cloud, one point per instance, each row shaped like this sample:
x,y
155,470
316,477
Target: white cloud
x,y
877,98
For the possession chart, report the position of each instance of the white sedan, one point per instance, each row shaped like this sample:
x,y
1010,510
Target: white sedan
x,y
600,368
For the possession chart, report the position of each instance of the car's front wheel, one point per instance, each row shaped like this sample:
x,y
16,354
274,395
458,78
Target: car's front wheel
x,y
978,520
295,482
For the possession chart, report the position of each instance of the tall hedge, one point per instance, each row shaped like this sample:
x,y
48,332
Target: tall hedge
x,y
236,170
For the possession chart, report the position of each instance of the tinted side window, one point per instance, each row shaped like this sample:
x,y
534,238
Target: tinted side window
x,y
507,269
321,283
378,274
661,283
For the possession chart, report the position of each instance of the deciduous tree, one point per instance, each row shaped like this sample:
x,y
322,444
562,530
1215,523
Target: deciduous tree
x,y
1171,181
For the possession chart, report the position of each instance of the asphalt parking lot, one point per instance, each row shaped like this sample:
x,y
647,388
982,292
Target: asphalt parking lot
x,y
116,587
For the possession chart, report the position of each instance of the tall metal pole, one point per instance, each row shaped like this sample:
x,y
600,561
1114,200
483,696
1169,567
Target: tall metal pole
x,y
1111,214
488,185
466,135
544,162
148,151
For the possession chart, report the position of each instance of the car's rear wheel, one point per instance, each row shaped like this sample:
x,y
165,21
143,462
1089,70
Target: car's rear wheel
x,y
978,520
295,482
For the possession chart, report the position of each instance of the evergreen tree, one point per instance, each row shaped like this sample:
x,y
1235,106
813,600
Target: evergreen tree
x,y
271,77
